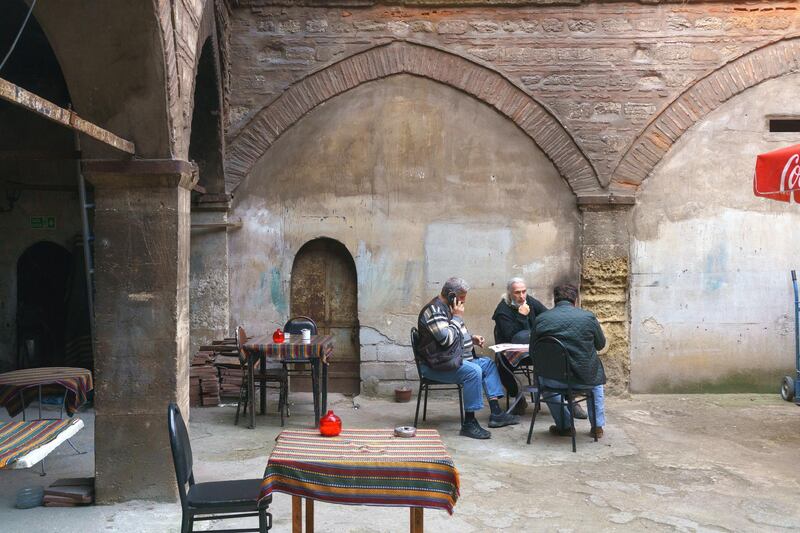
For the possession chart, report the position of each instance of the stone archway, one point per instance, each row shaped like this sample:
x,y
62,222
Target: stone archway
x,y
704,96
402,57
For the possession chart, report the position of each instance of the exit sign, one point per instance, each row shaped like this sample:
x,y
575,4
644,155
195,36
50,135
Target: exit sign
x,y
43,222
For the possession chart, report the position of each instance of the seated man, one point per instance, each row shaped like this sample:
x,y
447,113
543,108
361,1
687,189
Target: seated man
x,y
513,319
447,351
581,334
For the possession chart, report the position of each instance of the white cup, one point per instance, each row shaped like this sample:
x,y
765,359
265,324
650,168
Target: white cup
x,y
306,334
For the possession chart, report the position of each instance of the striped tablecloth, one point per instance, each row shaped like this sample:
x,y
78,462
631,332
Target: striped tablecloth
x,y
364,467
294,349
77,381
20,438
515,355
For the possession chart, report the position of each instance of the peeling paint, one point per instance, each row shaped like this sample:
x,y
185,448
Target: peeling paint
x,y
141,296
276,291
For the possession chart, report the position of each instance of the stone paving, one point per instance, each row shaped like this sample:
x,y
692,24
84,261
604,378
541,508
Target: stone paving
x,y
667,463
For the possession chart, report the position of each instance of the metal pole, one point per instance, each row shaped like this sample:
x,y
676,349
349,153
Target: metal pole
x,y
87,251
796,340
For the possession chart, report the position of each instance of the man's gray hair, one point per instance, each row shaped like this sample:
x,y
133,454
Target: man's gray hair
x,y
456,285
511,283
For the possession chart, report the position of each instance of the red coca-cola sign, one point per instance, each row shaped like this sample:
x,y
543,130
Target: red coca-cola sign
x,y
778,175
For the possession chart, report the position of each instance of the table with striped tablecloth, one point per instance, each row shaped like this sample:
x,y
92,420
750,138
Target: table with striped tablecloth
x,y
23,444
318,351
19,388
362,467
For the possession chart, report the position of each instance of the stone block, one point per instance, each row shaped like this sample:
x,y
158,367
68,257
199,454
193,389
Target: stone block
x,y
382,371
316,26
398,27
485,26
289,26
369,25
552,25
133,460
421,26
368,335
529,26
395,352
708,23
581,25
616,25
452,27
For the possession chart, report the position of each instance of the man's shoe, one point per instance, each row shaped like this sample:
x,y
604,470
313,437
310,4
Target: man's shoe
x,y
503,419
554,430
473,430
520,406
596,432
578,412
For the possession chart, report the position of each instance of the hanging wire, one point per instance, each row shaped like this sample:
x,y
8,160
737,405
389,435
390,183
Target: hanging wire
x,y
21,29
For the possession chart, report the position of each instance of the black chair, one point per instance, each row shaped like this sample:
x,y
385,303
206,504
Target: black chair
x,y
425,384
213,500
269,373
523,368
296,324
551,361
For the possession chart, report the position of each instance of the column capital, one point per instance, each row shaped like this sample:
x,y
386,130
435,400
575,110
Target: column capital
x,y
140,173
606,201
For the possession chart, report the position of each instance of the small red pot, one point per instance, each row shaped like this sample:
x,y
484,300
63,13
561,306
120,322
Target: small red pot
x,y
330,425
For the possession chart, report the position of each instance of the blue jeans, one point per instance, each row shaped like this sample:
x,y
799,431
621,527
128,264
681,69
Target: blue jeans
x,y
480,373
561,416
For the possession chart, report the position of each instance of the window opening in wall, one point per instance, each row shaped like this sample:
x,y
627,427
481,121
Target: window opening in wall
x,y
784,125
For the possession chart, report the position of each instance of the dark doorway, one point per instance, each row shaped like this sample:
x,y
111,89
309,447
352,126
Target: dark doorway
x,y
43,281
324,287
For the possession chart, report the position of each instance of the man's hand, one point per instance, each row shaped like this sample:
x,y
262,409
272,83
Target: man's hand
x,y
524,309
477,340
458,308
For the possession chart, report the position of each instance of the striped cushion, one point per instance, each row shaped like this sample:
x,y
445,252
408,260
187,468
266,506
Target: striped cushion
x,y
20,438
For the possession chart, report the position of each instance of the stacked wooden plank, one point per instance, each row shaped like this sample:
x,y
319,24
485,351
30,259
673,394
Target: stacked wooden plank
x,y
203,381
69,492
230,381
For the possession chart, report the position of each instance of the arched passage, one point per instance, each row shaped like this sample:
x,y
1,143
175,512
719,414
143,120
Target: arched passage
x,y
325,288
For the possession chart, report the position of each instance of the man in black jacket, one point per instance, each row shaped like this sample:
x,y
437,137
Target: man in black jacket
x,y
581,334
513,320
446,348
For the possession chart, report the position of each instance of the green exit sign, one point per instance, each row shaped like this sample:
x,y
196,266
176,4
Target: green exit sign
x,y
43,222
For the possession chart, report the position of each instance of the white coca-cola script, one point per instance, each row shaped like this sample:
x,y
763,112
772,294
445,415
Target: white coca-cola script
x,y
790,177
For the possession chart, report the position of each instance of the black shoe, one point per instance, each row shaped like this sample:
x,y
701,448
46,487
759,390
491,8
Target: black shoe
x,y
473,430
503,419
519,406
578,412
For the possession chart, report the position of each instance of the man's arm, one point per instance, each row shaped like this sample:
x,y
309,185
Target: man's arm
x,y
443,328
599,337
506,327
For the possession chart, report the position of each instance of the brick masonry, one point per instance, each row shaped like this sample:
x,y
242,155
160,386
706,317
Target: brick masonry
x,y
607,72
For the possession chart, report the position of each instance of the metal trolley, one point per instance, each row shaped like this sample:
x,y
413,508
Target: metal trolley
x,y
790,387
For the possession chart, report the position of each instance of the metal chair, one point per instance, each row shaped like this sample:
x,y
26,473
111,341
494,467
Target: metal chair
x,y
425,384
551,361
270,373
523,368
213,500
294,326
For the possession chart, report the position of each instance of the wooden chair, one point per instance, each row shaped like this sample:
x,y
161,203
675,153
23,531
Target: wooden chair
x,y
212,500
426,385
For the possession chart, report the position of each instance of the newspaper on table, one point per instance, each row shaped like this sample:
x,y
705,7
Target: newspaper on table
x,y
502,347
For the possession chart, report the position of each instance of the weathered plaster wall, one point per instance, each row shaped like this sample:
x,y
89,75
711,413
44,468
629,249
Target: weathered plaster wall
x,y
419,182
711,298
603,68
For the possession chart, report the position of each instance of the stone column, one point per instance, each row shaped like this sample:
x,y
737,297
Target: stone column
x,y
605,281
142,312
209,294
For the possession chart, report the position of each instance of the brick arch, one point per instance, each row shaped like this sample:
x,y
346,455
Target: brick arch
x,y
402,57
703,97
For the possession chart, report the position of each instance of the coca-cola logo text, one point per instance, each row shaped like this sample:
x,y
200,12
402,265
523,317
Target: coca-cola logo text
x,y
790,177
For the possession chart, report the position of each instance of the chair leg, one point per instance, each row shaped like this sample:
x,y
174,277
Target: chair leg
x,y
425,406
420,392
282,400
461,404
533,421
590,398
239,404
186,522
263,523
570,407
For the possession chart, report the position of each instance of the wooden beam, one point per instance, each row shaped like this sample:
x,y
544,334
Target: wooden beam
x,y
44,108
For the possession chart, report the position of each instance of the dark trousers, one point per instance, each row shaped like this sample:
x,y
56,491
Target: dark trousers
x,y
506,372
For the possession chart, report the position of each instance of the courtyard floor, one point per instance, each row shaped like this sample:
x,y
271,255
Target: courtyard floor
x,y
667,463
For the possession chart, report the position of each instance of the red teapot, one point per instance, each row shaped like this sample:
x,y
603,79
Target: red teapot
x,y
278,337
330,425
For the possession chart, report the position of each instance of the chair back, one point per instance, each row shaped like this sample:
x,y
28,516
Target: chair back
x,y
495,331
241,338
181,450
414,343
296,324
551,359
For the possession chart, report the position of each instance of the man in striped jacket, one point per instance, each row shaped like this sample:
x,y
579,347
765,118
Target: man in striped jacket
x,y
447,349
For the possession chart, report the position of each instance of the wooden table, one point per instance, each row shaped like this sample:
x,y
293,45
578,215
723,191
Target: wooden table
x,y
317,351
362,467
18,388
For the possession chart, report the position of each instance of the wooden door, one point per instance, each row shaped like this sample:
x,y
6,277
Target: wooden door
x,y
324,288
